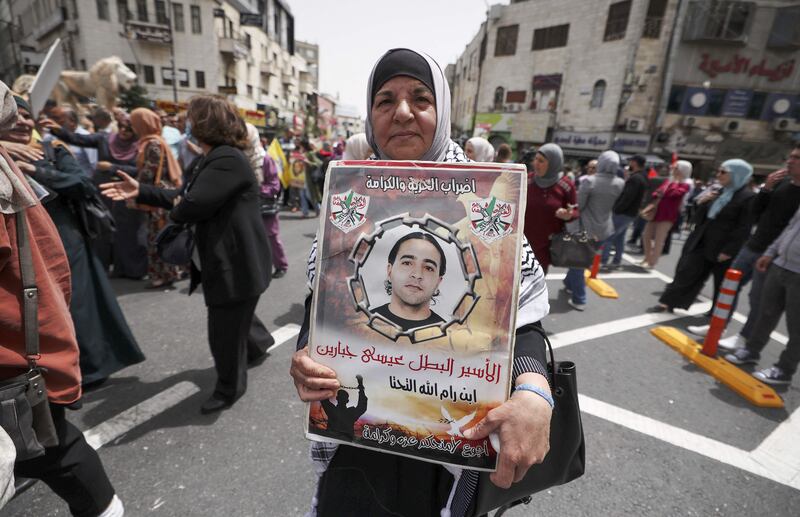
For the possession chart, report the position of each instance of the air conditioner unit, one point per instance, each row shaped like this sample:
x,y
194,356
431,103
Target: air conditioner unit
x,y
689,122
785,124
634,125
730,126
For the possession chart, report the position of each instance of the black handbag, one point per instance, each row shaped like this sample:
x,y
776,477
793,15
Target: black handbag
x,y
574,249
24,409
566,460
175,244
95,217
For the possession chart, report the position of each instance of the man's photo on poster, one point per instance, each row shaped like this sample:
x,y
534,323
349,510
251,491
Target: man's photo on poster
x,y
413,278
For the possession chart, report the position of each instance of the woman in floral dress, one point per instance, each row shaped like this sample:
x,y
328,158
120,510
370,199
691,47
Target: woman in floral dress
x,y
156,166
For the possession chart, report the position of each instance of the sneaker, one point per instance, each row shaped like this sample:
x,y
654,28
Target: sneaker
x,y
576,306
774,376
732,343
698,330
114,509
279,273
567,290
742,356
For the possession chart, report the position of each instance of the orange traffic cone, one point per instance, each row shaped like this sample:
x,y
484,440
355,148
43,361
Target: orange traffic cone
x,y
722,309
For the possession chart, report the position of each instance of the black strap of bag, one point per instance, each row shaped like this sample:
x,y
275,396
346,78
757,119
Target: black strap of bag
x,y
30,293
566,459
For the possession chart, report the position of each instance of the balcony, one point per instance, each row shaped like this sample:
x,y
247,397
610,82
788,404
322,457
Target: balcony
x,y
266,68
287,79
306,87
147,32
49,24
233,44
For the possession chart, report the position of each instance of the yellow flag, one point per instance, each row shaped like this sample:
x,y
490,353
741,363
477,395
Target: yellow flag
x,y
275,151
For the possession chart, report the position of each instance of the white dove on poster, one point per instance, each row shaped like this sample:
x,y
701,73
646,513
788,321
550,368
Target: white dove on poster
x,y
456,425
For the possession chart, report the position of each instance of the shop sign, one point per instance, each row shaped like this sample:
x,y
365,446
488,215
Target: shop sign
x,y
631,143
580,140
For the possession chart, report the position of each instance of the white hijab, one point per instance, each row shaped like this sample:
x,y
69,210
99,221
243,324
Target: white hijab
x,y
14,194
357,148
484,152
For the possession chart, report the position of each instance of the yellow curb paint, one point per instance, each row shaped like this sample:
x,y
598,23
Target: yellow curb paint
x,y
755,392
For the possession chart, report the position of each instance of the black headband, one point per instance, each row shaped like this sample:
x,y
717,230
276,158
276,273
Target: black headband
x,y
402,62
22,103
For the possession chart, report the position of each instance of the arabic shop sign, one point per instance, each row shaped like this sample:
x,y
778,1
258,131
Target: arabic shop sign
x,y
631,143
744,65
577,140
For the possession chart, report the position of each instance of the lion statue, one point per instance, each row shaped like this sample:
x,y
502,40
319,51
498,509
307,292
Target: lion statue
x,y
103,81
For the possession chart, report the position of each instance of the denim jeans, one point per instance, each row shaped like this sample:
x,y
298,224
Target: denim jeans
x,y
781,294
745,262
617,239
576,283
305,202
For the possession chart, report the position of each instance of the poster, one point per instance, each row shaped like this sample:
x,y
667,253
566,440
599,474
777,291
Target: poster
x,y
47,77
414,307
297,171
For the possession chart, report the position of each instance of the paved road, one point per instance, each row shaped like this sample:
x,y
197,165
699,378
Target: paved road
x,y
662,437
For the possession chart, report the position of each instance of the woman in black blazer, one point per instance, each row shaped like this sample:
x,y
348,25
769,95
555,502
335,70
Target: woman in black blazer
x,y
722,225
232,258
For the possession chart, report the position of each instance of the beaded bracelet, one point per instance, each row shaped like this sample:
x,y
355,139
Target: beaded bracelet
x,y
539,391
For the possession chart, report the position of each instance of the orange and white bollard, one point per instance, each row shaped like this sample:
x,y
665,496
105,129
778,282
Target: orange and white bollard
x,y
595,265
722,309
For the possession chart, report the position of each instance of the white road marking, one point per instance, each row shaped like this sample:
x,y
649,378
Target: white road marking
x,y
607,276
765,461
284,334
118,425
741,318
781,445
609,328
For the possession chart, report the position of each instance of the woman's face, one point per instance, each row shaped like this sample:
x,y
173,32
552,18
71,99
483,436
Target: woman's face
x,y
22,130
126,131
540,164
404,118
469,150
723,177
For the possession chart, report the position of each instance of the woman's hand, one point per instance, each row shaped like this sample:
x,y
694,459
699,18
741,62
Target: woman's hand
x,y
565,214
26,167
312,380
708,196
22,152
722,257
127,189
523,425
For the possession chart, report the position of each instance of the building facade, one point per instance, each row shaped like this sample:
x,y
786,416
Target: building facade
x,y
241,49
609,74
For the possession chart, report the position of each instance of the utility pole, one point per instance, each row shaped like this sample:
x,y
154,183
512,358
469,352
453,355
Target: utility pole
x,y
172,53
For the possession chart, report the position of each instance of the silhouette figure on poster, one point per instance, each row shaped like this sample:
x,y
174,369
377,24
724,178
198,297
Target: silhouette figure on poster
x,y
342,419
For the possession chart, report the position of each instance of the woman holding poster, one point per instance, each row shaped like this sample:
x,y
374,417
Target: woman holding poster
x,y
408,106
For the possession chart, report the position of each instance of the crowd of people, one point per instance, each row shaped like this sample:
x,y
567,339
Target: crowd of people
x,y
206,169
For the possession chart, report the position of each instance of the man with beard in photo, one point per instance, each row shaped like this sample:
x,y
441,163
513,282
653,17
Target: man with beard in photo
x,y
415,268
